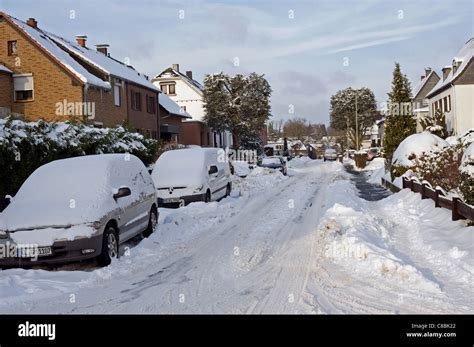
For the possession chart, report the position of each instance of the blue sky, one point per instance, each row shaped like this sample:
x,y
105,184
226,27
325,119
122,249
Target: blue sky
x,y
307,49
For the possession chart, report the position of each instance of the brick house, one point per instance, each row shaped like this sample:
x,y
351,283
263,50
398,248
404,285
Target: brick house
x,y
171,120
48,77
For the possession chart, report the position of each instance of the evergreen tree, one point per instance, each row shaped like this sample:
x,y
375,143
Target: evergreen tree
x,y
436,124
400,122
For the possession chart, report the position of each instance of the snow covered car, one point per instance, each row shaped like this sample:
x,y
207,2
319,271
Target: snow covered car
x,y
275,162
182,176
79,208
330,154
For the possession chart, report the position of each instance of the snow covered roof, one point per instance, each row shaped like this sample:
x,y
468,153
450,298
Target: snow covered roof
x,y
172,107
422,83
464,56
68,54
4,69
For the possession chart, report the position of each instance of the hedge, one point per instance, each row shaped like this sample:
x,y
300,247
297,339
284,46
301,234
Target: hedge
x,y
26,146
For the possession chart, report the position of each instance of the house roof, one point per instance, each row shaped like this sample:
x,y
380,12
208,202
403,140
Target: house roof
x,y
172,107
193,83
422,83
464,57
72,58
5,69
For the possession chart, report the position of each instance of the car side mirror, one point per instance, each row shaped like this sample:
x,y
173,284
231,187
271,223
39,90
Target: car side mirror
x,y
122,192
212,170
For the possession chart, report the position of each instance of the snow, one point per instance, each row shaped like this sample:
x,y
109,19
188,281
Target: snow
x,y
62,48
307,237
171,106
66,60
47,236
70,192
415,145
375,170
241,168
5,69
467,163
464,56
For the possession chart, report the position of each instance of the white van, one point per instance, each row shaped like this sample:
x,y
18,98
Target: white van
x,y
187,175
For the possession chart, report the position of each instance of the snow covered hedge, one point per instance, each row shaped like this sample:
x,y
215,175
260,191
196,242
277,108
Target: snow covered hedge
x,y
448,164
26,146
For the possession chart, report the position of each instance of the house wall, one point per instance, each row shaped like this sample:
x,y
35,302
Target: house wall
x,y
186,96
52,84
6,94
146,123
429,85
450,121
195,133
464,119
105,109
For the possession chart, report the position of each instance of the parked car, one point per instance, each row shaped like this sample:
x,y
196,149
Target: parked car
x,y
274,162
330,154
79,208
187,175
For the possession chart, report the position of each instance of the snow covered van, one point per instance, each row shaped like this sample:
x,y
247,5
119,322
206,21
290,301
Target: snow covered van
x,y
187,175
78,208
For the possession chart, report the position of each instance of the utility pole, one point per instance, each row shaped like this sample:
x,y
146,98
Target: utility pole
x,y
357,125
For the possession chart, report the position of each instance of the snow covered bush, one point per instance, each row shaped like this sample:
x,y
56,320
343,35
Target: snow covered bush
x,y
411,148
26,146
467,175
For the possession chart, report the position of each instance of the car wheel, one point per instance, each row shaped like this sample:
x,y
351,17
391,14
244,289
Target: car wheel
x,y
152,223
110,247
207,198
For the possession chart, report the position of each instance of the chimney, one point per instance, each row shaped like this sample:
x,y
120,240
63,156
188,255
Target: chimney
x,y
427,71
175,67
32,22
422,77
81,40
446,70
103,48
189,74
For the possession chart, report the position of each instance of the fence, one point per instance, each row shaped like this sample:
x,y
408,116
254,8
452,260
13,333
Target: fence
x,y
459,209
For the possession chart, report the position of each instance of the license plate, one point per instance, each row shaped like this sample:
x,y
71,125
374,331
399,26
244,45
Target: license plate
x,y
32,252
171,200
44,251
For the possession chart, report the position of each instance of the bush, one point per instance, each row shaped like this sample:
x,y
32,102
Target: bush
x,y
26,146
360,160
466,171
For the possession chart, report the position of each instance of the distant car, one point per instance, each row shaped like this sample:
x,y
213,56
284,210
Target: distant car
x,y
274,162
187,175
79,208
330,154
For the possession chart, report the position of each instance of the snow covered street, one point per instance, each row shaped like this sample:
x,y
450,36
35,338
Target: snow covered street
x,y
303,243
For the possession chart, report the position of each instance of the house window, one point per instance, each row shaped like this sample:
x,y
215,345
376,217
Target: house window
x,y
12,47
23,87
168,88
150,104
117,92
136,101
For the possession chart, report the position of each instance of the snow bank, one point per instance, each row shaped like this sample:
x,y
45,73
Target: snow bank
x,y
380,242
415,145
241,168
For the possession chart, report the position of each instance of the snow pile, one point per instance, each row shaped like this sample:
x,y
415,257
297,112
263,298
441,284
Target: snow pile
x,y
241,168
414,146
375,170
380,242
